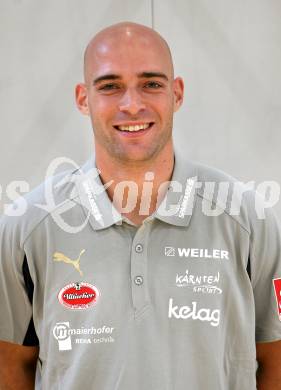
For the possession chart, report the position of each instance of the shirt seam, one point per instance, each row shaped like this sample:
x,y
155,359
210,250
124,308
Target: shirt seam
x,y
47,215
225,212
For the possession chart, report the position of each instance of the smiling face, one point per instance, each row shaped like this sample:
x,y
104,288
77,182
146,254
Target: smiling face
x,y
130,93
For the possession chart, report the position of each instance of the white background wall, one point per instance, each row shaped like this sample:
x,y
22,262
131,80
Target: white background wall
x,y
229,53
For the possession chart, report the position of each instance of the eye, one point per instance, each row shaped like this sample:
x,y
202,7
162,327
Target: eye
x,y
153,85
108,87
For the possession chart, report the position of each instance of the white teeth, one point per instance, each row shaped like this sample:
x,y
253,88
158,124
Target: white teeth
x,y
134,128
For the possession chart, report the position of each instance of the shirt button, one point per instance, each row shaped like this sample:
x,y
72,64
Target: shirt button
x,y
139,248
138,280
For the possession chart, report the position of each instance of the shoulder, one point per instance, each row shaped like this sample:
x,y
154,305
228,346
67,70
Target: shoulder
x,y
28,211
230,196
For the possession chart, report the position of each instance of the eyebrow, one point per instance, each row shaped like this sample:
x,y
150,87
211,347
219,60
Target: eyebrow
x,y
106,77
139,75
153,74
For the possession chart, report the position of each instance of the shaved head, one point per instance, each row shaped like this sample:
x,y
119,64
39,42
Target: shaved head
x,y
123,36
130,94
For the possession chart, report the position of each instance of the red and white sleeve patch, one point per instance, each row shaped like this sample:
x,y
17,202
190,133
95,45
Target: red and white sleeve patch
x,y
277,288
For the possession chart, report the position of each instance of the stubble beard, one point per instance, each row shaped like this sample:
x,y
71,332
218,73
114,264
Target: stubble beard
x,y
134,154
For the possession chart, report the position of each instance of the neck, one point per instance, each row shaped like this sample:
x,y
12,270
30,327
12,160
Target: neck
x,y
146,182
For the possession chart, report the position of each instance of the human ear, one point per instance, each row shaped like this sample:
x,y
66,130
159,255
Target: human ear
x,y
178,89
81,97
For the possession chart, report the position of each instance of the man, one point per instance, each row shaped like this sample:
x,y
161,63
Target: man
x,y
155,292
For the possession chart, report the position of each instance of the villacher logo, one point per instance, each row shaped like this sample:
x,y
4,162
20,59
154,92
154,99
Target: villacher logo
x,y
78,295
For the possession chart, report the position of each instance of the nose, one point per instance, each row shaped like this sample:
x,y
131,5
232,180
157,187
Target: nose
x,y
131,102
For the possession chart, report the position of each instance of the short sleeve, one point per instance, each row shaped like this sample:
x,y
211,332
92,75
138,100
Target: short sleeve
x,y
265,261
15,304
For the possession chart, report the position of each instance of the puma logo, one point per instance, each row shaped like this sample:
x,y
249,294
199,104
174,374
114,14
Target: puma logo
x,y
76,263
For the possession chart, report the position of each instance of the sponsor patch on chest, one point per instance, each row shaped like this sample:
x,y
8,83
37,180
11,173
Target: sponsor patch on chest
x,y
194,312
206,284
197,253
78,295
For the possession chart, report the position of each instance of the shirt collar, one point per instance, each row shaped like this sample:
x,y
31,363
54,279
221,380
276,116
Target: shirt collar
x,y
176,208
178,203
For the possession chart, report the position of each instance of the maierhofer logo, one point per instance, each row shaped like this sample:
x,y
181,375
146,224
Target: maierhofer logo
x,y
61,334
200,253
79,295
194,313
277,289
66,336
206,284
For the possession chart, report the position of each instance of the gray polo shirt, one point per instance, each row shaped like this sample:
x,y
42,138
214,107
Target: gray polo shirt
x,y
178,302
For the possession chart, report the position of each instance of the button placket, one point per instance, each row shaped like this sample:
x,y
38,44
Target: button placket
x,y
139,268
